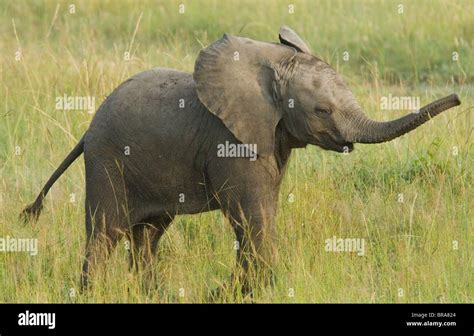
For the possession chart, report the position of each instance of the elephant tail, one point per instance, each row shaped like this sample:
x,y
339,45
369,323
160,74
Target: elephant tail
x,y
32,211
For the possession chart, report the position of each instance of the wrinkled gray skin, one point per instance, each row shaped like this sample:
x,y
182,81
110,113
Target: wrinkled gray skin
x,y
277,96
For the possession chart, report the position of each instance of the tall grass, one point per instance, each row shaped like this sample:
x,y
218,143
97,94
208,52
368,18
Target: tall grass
x,y
411,253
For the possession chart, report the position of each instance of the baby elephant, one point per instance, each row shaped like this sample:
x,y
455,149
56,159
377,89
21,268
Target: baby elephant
x,y
168,142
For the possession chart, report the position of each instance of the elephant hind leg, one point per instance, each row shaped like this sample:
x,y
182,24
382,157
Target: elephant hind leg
x,y
101,240
107,210
145,236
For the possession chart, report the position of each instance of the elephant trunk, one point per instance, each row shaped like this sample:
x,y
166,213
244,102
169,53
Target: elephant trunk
x,y
364,130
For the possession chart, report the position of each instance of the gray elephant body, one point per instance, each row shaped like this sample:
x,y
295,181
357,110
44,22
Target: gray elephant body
x,y
162,149
165,156
151,151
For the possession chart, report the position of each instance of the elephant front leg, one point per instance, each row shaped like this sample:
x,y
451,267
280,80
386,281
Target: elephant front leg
x,y
248,195
254,227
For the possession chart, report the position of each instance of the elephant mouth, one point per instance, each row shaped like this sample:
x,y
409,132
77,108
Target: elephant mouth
x,y
343,147
332,142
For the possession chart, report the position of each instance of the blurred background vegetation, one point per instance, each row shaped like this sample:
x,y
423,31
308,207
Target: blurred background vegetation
x,y
411,42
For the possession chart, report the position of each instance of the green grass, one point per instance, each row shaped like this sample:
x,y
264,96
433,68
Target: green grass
x,y
409,245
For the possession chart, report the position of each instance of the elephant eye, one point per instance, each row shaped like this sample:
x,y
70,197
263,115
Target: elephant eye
x,y
322,112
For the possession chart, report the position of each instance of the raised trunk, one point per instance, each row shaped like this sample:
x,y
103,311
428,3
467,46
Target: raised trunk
x,y
364,130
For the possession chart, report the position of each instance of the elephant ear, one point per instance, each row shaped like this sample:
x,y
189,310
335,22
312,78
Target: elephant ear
x,y
290,38
235,81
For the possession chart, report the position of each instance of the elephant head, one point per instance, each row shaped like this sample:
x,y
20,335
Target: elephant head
x,y
252,86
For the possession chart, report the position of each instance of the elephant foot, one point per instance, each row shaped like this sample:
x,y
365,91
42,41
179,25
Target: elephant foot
x,y
230,293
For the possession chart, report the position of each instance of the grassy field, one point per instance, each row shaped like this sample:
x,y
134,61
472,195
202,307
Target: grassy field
x,y
418,250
